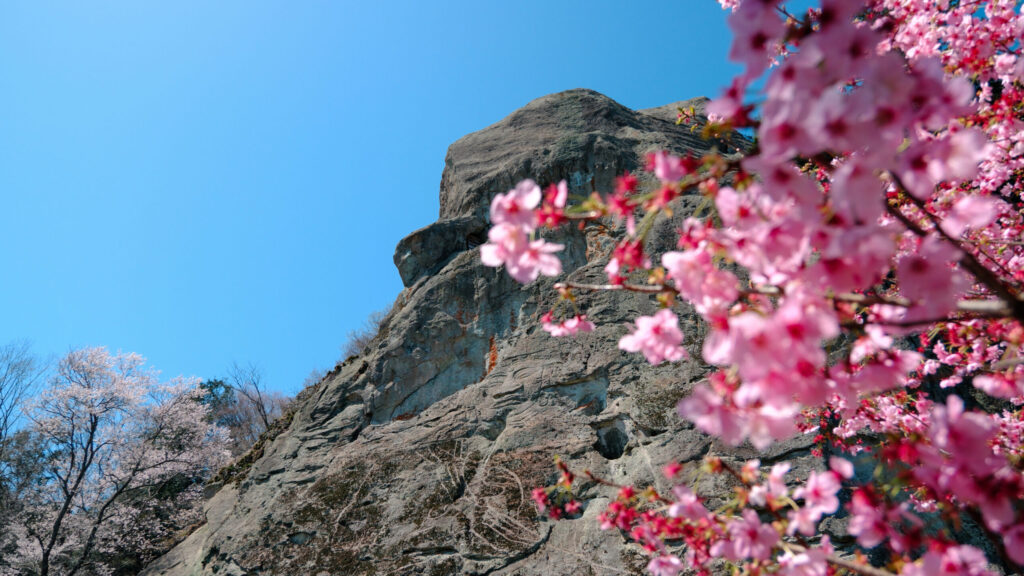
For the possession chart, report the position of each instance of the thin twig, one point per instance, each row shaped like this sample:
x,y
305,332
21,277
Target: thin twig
x,y
1007,363
865,569
589,215
990,307
653,289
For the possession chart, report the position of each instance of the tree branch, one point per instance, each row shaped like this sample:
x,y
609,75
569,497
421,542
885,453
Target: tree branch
x,y
652,289
967,259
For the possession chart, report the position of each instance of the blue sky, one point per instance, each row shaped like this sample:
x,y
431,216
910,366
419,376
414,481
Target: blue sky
x,y
216,182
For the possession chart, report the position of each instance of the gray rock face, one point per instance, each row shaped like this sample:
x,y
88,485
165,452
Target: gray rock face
x,y
418,456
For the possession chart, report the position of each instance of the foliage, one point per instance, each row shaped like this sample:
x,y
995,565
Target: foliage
x,y
880,205
216,395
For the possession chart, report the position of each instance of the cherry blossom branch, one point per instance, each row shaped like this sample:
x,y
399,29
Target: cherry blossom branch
x,y
598,480
993,308
1007,363
642,289
895,212
934,135
775,513
968,260
850,565
588,215
801,548
993,538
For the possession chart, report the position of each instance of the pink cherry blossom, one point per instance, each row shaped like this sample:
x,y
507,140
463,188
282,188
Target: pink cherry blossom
x,y
841,466
927,163
819,492
868,521
774,489
926,279
708,412
569,327
769,423
1013,542
666,167
955,561
750,538
540,499
505,243
552,211
757,28
970,212
516,207
709,289
525,260
665,566
999,385
803,520
536,259
657,337
813,562
964,435
687,505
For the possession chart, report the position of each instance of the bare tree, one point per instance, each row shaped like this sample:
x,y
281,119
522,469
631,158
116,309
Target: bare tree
x,y
315,376
250,408
360,338
20,375
247,382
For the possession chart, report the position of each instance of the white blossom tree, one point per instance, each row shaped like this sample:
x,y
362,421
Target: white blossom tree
x,y
123,456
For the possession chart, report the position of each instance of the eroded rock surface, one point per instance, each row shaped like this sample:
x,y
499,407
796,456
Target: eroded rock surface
x,y
417,457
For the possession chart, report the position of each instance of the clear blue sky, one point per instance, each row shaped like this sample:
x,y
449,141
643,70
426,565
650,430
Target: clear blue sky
x,y
215,182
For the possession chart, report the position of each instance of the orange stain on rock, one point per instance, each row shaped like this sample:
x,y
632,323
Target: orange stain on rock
x,y
492,357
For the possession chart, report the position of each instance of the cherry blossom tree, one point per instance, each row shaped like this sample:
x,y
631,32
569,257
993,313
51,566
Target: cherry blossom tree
x,y
877,212
122,456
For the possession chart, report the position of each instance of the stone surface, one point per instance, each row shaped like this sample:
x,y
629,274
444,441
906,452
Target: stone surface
x,y
418,456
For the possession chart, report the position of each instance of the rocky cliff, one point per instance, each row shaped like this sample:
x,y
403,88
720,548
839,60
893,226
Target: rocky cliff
x,y
417,457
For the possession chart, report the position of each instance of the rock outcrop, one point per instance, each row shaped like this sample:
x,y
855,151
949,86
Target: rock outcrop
x,y
418,456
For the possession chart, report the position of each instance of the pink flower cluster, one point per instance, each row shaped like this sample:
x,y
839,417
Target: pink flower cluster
x,y
510,240
657,337
569,327
738,531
